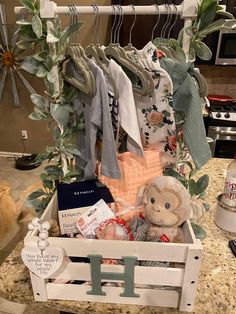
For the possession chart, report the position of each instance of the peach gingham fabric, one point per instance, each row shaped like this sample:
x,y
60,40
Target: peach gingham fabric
x,y
135,172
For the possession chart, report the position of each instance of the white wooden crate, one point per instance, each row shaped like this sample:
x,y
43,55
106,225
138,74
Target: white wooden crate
x,y
173,286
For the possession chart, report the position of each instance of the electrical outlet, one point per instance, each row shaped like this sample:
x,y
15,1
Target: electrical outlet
x,y
24,135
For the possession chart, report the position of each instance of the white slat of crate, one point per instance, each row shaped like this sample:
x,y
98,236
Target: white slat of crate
x,y
191,275
39,287
150,251
143,275
151,297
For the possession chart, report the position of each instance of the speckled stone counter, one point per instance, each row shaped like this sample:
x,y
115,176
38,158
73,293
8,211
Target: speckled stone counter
x,y
217,283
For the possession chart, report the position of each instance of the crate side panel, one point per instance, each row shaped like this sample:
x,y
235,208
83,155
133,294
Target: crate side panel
x,y
51,211
142,274
150,251
191,276
166,298
189,235
39,287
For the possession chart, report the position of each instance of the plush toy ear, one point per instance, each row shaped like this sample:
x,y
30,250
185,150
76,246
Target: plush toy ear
x,y
141,195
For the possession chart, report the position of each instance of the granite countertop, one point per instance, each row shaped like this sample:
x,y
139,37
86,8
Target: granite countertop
x,y
216,288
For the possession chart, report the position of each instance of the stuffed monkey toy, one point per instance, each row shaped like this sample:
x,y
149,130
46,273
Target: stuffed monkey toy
x,y
166,208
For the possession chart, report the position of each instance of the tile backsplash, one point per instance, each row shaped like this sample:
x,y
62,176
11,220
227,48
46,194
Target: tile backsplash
x,y
220,79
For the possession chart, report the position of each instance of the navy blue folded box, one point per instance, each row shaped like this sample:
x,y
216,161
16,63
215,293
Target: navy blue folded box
x,y
82,194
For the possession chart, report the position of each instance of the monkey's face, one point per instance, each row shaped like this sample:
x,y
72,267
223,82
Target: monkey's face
x,y
161,205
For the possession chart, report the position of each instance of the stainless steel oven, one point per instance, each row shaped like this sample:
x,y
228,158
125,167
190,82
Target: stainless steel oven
x,y
226,47
222,126
224,141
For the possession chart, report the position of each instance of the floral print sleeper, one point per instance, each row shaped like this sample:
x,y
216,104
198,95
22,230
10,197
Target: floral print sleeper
x,y
155,112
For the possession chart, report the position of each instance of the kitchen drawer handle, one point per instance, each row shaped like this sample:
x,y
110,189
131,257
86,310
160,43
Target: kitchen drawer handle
x,y
226,132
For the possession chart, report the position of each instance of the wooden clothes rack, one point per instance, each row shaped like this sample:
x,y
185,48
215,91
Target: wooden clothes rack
x,y
187,10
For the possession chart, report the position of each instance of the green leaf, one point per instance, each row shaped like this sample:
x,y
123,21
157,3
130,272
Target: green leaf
x,y
199,232
175,174
37,26
44,202
180,37
206,206
38,100
60,114
213,27
35,203
25,44
73,150
73,173
56,133
46,180
38,115
27,31
67,153
207,13
42,56
52,76
30,65
202,50
70,30
28,5
180,54
54,170
36,194
220,10
42,71
192,54
202,184
192,186
225,14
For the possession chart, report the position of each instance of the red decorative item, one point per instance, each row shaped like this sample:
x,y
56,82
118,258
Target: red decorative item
x,y
114,229
164,238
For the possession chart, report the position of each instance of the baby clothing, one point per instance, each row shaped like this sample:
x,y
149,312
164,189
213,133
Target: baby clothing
x,y
127,110
97,117
155,112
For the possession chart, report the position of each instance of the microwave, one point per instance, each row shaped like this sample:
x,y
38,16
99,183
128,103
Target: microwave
x,y
226,47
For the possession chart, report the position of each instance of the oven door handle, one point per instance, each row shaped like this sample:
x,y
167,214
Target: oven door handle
x,y
225,132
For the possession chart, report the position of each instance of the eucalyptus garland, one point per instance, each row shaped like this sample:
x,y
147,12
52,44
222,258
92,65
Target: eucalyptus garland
x,y
55,105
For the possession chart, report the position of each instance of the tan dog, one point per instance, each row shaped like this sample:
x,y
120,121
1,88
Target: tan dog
x,y
8,215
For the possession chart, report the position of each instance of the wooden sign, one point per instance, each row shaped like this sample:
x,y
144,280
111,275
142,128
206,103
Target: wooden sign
x,y
42,263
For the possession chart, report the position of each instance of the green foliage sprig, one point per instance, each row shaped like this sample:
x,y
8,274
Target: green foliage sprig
x,y
55,105
202,26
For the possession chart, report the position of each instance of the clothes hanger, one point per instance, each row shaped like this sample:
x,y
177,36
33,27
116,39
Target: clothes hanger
x,y
80,51
129,46
162,44
175,20
157,22
96,51
167,23
115,51
72,53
